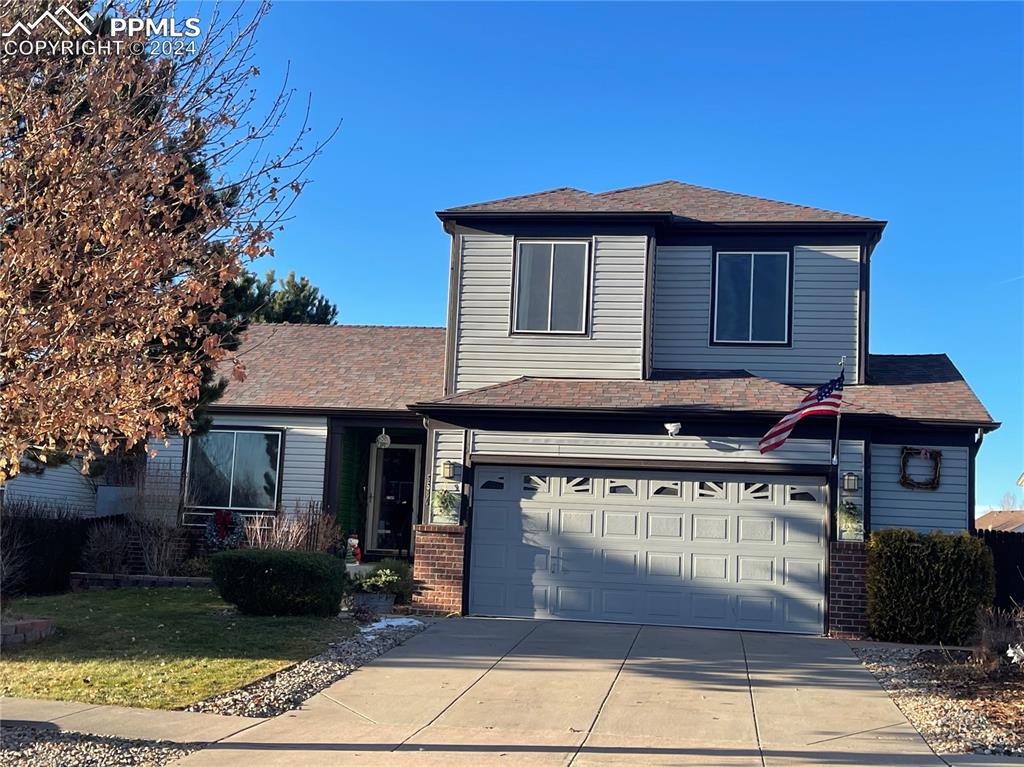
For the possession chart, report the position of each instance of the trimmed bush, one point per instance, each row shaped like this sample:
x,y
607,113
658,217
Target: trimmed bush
x,y
271,582
927,588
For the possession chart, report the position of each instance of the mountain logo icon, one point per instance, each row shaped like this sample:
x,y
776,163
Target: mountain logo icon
x,y
69,23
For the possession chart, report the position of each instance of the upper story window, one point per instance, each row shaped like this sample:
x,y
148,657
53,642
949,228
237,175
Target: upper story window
x,y
236,470
551,287
751,301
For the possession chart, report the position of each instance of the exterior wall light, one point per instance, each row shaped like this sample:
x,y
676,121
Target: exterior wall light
x,y
851,482
448,470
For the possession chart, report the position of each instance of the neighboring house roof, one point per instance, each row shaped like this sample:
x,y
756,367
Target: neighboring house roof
x,y
671,198
917,387
337,367
1010,521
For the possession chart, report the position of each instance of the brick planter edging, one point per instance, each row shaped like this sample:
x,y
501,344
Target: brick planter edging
x,y
25,631
437,569
847,594
86,581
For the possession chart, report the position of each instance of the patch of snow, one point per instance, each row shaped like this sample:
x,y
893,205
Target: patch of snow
x,y
385,623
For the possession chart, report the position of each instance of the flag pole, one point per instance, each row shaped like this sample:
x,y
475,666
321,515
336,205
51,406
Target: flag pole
x,y
839,416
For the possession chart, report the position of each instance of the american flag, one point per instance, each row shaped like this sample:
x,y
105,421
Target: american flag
x,y
825,399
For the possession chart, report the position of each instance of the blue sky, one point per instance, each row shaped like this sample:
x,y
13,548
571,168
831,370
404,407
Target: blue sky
x,y
906,112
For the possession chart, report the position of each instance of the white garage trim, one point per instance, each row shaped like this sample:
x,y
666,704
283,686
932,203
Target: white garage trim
x,y
720,550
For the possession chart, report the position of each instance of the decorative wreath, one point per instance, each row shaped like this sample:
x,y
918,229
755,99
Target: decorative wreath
x,y
935,456
224,530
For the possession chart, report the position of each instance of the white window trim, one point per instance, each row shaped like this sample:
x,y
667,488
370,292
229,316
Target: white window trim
x,y
750,319
231,479
587,245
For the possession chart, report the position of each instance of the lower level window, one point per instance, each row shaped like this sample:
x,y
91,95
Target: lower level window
x,y
233,470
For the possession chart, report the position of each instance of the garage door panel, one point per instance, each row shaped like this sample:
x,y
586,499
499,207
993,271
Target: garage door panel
x,y
664,567
759,610
661,526
651,547
576,522
755,529
802,530
622,564
621,605
803,572
755,571
709,567
620,524
799,613
709,527
491,556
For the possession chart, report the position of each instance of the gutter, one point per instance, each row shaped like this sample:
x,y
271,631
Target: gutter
x,y
434,409
665,217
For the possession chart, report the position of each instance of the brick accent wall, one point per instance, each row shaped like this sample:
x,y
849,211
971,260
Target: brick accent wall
x,y
19,632
437,568
847,597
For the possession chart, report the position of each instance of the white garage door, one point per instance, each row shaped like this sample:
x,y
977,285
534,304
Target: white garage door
x,y
723,551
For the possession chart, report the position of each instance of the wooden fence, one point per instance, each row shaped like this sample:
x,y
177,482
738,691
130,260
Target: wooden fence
x,y
1008,553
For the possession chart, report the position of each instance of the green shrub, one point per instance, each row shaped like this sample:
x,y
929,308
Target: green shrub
x,y
194,567
927,588
272,582
404,587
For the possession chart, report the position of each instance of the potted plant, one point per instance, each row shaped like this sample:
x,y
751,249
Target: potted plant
x,y
446,504
377,590
851,522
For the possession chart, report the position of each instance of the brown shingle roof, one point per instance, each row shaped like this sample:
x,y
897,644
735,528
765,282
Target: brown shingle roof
x,y
917,387
1001,520
685,201
364,367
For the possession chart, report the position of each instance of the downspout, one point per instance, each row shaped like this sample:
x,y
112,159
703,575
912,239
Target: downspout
x,y
979,438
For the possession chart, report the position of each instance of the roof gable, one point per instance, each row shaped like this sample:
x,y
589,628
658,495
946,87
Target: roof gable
x,y
672,198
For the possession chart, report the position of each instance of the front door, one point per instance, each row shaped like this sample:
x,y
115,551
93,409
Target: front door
x,y
394,497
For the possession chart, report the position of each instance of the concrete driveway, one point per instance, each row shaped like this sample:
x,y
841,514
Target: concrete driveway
x,y
481,692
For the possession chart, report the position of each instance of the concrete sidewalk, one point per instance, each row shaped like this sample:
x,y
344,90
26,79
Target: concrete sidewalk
x,y
121,722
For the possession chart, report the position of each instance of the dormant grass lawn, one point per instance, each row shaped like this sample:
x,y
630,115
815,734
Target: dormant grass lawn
x,y
158,648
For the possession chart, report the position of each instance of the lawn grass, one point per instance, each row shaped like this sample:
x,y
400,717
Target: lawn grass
x,y
158,648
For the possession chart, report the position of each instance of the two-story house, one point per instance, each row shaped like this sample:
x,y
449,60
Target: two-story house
x,y
581,442
612,361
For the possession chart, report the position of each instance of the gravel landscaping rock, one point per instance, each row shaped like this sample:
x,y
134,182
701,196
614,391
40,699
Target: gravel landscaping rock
x,y
50,747
290,687
955,705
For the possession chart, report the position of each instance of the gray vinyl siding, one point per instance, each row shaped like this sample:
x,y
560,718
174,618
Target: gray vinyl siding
x,y
57,486
445,445
635,446
893,505
486,351
826,285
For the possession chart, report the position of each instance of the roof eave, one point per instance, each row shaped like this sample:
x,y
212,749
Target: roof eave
x,y
664,217
439,408
513,215
318,410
